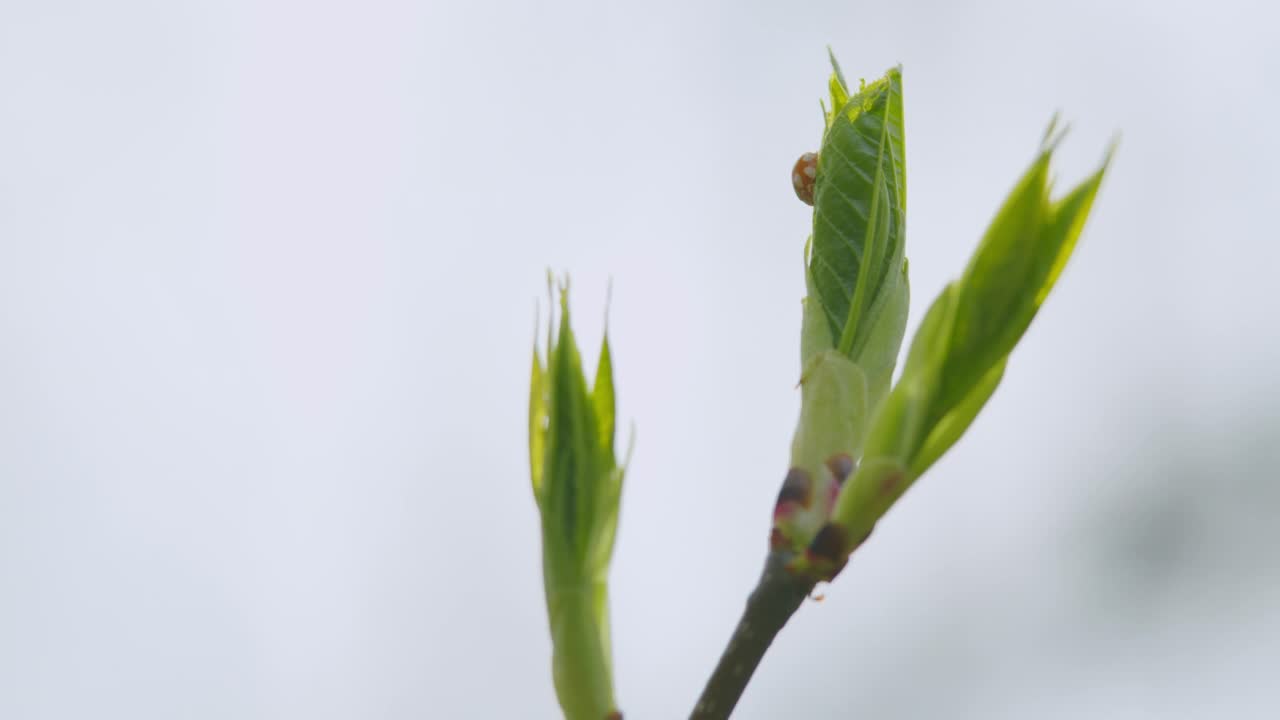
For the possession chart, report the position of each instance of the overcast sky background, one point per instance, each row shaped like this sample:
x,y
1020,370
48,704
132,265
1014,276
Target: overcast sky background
x,y
268,274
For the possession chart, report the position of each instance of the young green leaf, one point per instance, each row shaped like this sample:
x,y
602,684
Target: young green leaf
x,y
857,254
603,400
537,413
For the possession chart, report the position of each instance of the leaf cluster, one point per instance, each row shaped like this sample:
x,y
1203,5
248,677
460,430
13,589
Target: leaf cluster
x,y
959,353
577,481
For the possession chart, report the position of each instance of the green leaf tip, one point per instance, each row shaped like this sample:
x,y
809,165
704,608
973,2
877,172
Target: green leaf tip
x,y
577,485
961,349
835,69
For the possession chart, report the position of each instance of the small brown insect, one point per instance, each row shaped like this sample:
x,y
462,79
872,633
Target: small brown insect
x,y
803,176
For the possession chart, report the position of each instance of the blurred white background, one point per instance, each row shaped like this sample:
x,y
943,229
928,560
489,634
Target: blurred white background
x,y
267,285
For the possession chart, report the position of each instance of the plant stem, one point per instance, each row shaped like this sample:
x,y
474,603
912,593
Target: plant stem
x,y
581,663
776,598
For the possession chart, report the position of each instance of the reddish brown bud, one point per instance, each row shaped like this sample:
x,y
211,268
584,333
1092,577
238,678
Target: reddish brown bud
x,y
830,544
841,467
797,487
